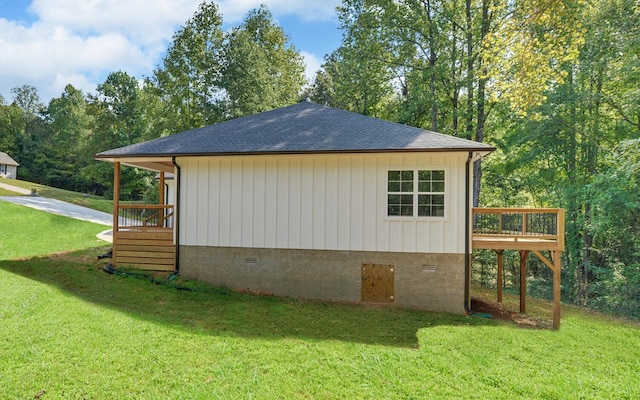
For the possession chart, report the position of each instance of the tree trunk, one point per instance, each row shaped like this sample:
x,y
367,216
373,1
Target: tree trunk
x,y
454,60
470,71
480,101
432,70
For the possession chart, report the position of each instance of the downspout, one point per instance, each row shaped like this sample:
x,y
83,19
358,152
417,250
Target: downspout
x,y
467,244
176,213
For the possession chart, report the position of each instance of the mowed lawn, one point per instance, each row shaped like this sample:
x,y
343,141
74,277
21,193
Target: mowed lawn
x,y
69,330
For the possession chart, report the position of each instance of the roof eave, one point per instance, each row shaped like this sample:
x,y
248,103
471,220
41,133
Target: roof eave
x,y
480,149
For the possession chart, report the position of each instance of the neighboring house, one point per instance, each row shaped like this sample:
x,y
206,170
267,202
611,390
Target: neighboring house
x,y
8,166
314,202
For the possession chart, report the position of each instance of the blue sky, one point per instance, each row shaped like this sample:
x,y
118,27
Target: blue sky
x,y
51,43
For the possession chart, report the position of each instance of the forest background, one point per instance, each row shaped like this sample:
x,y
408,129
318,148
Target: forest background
x,y
553,84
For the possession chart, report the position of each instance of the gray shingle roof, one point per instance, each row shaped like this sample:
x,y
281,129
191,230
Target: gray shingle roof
x,y
301,128
5,159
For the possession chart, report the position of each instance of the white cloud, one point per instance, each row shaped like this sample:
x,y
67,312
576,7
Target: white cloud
x,y
143,20
79,42
313,64
41,54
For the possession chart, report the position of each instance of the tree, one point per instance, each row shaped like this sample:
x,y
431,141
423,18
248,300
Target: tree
x,y
321,91
11,129
528,51
29,129
69,124
361,68
188,80
260,70
615,227
118,118
26,97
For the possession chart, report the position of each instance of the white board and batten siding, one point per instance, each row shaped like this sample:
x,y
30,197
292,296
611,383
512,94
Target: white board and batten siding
x,y
320,202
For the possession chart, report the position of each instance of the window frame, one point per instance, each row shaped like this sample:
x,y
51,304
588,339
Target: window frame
x,y
415,192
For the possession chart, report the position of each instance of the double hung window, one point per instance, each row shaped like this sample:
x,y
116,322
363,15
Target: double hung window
x,y
415,193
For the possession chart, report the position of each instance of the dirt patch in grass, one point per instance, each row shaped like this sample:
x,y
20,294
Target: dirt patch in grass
x,y
500,312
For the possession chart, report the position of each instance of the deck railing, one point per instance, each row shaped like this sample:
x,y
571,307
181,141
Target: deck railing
x,y
537,226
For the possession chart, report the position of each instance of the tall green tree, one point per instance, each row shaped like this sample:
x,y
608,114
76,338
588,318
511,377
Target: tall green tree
x,y
11,128
528,51
261,70
30,129
118,121
69,124
188,79
615,228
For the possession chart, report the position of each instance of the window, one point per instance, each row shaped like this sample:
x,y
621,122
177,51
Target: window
x,y
415,193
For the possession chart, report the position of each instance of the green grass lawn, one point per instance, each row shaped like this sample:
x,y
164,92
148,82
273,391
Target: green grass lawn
x,y
69,330
90,201
27,232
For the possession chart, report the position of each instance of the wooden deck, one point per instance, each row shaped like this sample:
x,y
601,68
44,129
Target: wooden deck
x,y
528,230
518,229
144,237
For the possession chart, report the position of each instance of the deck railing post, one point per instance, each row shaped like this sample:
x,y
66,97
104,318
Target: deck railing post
x,y
560,228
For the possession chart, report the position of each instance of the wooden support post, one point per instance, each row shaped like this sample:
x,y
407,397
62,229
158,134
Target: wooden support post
x,y
116,194
556,289
523,281
116,204
556,266
161,189
499,282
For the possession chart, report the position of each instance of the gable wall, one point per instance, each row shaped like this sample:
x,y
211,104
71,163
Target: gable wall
x,y
315,202
8,171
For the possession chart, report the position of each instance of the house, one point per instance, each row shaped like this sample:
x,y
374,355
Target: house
x,y
8,166
308,201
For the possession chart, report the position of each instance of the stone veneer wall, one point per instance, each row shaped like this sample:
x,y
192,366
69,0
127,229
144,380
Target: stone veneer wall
x,y
422,280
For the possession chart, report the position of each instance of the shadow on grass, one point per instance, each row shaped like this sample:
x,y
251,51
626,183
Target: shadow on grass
x,y
219,311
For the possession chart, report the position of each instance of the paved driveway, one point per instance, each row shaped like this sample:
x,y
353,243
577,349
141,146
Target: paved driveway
x,y
14,188
62,208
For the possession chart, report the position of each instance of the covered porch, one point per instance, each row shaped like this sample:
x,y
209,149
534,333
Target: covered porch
x,y
144,234
528,230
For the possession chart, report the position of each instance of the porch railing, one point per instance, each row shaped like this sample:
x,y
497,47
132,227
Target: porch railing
x,y
144,216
